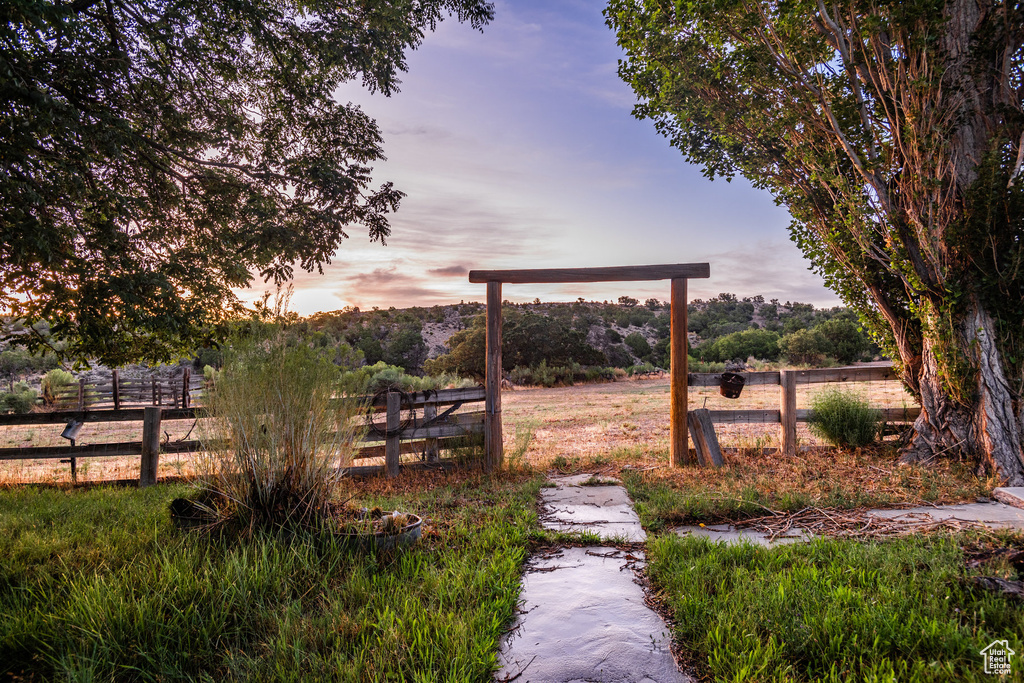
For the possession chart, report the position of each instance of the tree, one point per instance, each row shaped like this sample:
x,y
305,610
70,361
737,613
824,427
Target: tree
x,y
892,132
158,153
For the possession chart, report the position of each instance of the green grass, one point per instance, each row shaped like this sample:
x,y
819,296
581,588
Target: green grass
x,y
98,585
831,610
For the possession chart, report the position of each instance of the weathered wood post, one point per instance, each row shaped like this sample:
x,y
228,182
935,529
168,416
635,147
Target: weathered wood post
x,y
115,381
493,455
186,386
787,410
392,441
680,450
430,447
81,394
150,445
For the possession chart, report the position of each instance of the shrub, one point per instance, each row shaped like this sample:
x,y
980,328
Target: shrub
x,y
276,436
761,344
639,345
844,340
53,382
843,418
19,401
370,379
803,347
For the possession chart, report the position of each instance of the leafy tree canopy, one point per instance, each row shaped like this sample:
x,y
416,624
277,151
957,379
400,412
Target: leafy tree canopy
x,y
157,153
894,134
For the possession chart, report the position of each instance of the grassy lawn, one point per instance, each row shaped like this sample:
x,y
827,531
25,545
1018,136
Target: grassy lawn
x,y
831,610
98,585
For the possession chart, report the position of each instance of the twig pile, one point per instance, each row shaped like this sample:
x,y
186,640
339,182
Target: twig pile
x,y
851,524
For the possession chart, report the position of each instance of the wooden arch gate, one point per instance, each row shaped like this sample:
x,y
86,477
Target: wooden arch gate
x,y
678,273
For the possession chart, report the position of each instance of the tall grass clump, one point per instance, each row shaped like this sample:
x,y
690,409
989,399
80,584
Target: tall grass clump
x,y
277,433
53,382
843,418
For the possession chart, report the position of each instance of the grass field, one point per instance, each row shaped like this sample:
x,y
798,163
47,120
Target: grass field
x,y
97,584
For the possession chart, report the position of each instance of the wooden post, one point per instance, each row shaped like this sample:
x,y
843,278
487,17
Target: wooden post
x,y
430,447
115,380
81,394
704,438
150,445
392,442
680,451
787,410
186,382
493,455
154,391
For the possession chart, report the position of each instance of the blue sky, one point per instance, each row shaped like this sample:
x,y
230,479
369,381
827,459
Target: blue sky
x,y
517,149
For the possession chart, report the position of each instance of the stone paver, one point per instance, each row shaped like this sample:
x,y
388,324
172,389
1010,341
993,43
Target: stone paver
x,y
990,514
726,533
605,510
583,616
584,619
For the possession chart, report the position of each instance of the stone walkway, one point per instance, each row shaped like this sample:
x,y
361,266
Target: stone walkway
x,y
583,616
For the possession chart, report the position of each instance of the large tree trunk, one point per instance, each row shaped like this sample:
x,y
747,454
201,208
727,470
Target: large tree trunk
x,y
985,425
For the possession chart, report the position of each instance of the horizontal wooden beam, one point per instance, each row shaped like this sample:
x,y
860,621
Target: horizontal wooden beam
x,y
460,424
122,415
612,274
856,374
908,414
713,379
97,450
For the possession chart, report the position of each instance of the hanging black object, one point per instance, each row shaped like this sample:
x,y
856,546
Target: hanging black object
x,y
72,430
731,384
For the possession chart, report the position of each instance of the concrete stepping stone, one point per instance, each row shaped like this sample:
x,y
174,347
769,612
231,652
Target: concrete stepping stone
x,y
727,533
583,618
605,509
989,514
1011,495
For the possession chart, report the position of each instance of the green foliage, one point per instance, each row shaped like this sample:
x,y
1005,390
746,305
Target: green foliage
x,y
761,344
98,585
527,340
843,340
843,418
804,347
53,382
913,218
276,434
379,376
19,362
639,346
20,400
831,610
158,155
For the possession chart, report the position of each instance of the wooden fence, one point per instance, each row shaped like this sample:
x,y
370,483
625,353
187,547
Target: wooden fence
x,y
420,423
174,393
788,415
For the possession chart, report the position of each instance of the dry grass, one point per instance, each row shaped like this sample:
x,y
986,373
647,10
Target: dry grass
x,y
593,420
614,426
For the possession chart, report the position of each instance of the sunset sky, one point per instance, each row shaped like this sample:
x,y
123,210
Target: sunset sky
x,y
517,149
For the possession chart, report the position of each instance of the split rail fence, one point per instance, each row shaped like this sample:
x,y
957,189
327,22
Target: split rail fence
x,y
787,416
118,393
419,424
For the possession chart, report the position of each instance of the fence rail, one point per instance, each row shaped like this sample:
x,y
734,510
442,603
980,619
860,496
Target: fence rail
x,y
787,416
423,430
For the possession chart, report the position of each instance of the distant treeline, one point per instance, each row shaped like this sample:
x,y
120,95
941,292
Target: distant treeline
x,y
561,343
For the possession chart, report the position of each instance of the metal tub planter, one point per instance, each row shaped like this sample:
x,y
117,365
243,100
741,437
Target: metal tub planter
x,y
391,531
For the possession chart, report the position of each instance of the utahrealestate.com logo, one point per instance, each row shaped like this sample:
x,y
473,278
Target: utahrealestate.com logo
x,y
997,657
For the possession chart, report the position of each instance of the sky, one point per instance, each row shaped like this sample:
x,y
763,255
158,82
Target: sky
x,y
517,148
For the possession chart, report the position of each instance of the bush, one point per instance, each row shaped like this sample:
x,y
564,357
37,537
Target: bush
x,y
19,401
380,376
804,347
843,418
638,345
761,344
276,436
53,382
843,340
